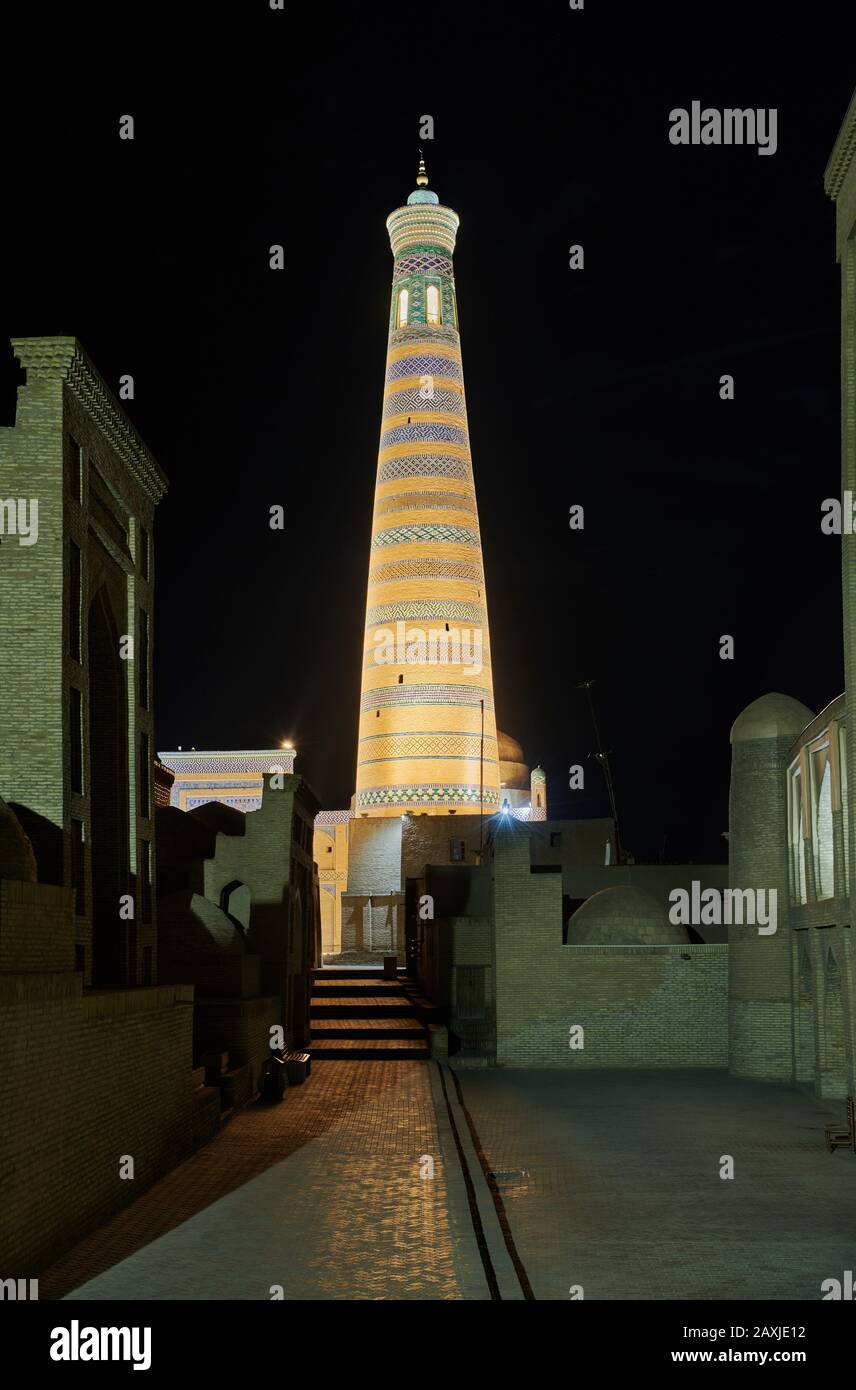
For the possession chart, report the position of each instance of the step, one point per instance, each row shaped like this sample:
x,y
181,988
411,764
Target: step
x,y
353,972
323,1028
359,991
368,1050
360,1008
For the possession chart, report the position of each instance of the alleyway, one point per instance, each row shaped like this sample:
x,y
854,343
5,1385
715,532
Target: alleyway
x,y
545,1180
322,1195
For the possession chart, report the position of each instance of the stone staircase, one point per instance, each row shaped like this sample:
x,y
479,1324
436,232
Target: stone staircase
x,y
359,1015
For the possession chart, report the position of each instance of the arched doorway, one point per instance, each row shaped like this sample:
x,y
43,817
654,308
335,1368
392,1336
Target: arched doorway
x,y
108,797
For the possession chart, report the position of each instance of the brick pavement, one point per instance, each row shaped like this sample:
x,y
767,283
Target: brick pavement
x,y
322,1195
610,1180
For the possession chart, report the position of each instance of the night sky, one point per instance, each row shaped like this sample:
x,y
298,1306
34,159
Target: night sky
x,y
598,387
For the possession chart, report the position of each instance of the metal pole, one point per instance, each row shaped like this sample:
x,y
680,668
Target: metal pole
x,y
603,759
481,785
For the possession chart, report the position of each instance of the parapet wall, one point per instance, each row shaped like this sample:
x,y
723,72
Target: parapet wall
x,y
637,1006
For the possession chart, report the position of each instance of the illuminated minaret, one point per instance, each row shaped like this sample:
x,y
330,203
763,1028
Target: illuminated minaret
x,y
427,739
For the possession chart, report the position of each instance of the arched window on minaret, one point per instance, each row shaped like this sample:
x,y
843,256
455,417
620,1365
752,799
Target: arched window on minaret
x,y
432,304
403,302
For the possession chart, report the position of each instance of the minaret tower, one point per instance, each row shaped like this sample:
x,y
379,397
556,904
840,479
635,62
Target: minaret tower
x,y
427,740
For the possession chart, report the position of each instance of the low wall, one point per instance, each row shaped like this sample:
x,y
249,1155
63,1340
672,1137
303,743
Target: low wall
x,y
638,1006
86,1080
240,1027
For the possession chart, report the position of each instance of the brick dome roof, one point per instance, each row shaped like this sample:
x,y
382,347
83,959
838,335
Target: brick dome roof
x,y
17,859
772,716
624,916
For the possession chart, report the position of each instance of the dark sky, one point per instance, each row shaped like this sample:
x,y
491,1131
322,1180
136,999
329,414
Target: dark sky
x,y
601,387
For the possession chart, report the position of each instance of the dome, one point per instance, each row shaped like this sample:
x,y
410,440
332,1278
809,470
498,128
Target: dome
x,y
509,749
422,195
196,927
772,716
513,772
17,860
624,916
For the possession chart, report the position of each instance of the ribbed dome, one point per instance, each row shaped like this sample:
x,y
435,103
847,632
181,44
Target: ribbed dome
x,y
623,916
17,860
513,772
772,716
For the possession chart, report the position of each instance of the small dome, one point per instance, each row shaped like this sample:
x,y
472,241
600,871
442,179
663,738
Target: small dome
x,y
196,928
772,716
624,916
17,860
422,195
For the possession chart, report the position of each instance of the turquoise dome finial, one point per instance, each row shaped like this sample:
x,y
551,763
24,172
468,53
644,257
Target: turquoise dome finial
x,y
422,193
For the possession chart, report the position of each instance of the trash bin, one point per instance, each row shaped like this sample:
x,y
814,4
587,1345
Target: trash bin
x,y
297,1067
272,1085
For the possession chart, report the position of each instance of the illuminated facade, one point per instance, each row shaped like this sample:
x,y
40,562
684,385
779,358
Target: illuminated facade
x,y
234,778
427,733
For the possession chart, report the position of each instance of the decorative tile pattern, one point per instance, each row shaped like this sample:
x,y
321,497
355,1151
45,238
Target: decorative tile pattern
x,y
426,437
208,776
421,226
398,756
423,262
425,334
427,532
424,433
428,567
270,760
424,364
425,466
489,740
412,400
439,745
425,502
427,794
386,697
441,610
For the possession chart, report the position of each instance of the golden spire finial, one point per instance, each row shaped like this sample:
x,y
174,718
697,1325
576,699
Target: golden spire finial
x,y
421,177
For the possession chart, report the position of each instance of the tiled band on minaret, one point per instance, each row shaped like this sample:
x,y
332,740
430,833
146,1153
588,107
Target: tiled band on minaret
x,y
426,683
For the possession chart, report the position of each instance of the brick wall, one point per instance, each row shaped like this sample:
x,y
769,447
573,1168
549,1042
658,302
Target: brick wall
x,y
86,1080
36,927
760,983
240,1027
374,855
642,1006
425,840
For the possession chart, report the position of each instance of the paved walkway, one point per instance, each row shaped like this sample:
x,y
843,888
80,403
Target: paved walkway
x,y
322,1195
606,1180
610,1180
